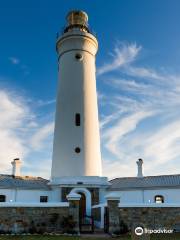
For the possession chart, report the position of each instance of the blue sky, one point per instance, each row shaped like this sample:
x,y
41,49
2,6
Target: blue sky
x,y
138,83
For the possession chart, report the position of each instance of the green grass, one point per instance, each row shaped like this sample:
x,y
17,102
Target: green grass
x,y
38,238
54,238
175,236
48,238
153,237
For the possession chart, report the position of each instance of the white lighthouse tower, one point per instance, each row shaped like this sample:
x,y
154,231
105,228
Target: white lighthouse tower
x,y
76,149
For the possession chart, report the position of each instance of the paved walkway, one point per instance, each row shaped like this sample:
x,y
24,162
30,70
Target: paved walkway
x,y
98,233
95,235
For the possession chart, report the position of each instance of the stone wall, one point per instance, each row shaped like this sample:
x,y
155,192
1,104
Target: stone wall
x,y
94,195
64,192
33,220
113,215
151,217
148,217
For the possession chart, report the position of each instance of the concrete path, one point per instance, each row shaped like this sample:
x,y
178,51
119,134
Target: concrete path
x,y
96,235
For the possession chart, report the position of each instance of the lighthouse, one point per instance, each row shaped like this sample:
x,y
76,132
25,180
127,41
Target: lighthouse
x,y
76,147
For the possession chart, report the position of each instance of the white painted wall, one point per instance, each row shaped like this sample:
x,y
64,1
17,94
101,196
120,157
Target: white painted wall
x,y
56,194
31,195
127,196
76,94
13,195
146,196
102,194
9,193
171,196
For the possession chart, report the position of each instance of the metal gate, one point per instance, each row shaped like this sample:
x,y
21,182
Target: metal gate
x,y
86,224
106,220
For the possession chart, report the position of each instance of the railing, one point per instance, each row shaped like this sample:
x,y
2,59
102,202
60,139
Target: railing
x,y
86,224
62,31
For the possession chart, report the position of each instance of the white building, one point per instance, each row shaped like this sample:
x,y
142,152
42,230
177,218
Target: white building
x,y
130,190
76,165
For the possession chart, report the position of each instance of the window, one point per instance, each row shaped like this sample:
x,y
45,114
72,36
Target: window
x,y
79,183
43,198
2,198
159,199
77,119
77,150
78,56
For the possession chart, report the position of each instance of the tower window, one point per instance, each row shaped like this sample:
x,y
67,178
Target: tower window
x,y
77,150
159,199
77,119
78,56
43,198
2,198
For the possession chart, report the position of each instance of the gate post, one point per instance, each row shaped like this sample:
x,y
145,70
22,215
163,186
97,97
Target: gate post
x,y
73,199
113,209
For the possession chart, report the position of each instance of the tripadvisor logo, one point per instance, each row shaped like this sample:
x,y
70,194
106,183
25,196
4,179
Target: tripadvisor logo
x,y
139,231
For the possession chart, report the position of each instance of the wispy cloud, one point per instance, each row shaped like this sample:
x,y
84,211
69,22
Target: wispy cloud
x,y
139,119
123,54
121,128
41,103
14,114
144,119
14,60
37,140
22,134
163,145
116,169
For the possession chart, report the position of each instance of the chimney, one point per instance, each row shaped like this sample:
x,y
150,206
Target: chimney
x,y
16,170
140,170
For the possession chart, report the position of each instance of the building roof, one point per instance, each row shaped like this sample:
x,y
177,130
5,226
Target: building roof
x,y
162,181
145,182
25,182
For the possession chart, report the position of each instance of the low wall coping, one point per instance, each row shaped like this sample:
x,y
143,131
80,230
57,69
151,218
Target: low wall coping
x,y
43,205
73,196
149,205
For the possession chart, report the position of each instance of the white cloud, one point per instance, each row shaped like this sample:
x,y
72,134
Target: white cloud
x,y
41,103
143,72
14,114
13,110
123,54
114,135
146,102
116,169
164,144
20,134
132,85
141,120
40,166
37,140
24,68
160,77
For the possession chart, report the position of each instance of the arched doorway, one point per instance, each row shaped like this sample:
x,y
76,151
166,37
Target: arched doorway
x,y
85,199
82,205
86,222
